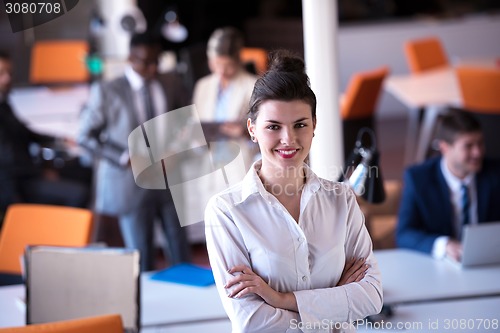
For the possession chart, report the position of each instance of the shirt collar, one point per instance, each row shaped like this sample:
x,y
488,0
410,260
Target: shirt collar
x,y
135,80
252,183
453,181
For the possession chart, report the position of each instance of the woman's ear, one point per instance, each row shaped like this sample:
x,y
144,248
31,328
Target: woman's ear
x,y
251,129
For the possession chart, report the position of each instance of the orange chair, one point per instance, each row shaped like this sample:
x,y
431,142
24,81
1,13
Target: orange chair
x,y
359,103
59,61
111,323
34,224
362,93
480,88
425,53
255,55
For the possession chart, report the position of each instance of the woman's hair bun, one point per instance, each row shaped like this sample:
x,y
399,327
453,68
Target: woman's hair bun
x,y
286,61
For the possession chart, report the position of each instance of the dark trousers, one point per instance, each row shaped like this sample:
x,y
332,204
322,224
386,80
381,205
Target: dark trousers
x,y
137,229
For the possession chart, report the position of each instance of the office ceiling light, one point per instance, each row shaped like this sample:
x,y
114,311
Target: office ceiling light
x,y
172,30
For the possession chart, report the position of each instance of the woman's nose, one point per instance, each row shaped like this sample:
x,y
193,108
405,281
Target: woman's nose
x,y
288,136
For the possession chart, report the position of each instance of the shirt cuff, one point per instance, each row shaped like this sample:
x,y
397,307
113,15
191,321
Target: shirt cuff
x,y
439,247
124,158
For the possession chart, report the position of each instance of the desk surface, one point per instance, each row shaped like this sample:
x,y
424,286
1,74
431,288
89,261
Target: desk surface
x,y
407,277
162,304
472,315
50,111
413,277
434,87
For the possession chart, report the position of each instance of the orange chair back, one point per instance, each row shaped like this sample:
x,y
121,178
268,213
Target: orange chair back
x,y
107,323
362,94
480,88
34,224
61,61
424,54
256,55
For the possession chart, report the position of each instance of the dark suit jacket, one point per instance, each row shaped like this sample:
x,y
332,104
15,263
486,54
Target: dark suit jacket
x,y
16,163
426,211
105,124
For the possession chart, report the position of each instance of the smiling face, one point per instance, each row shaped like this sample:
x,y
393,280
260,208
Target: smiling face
x,y
5,77
224,67
284,132
144,60
465,155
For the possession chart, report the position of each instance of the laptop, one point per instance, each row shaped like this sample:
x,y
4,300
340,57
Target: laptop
x,y
481,244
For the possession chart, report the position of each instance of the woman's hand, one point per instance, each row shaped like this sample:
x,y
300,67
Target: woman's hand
x,y
354,271
247,282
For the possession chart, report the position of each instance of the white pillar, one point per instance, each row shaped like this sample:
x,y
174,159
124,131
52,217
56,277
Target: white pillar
x,y
321,57
114,42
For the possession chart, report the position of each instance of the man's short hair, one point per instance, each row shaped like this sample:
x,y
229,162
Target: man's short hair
x,y
457,122
145,39
4,55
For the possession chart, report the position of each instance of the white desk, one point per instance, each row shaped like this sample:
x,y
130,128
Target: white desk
x,y
164,305
476,315
413,277
50,111
407,277
431,91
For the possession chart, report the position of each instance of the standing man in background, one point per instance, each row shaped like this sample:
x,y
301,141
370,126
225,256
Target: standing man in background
x,y
21,179
114,109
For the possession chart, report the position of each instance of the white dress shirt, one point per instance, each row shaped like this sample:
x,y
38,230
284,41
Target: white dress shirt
x,y
454,186
247,225
157,94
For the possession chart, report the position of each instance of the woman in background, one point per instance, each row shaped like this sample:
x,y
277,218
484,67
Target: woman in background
x,y
223,96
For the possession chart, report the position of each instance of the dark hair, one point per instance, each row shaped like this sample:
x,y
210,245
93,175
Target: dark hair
x,y
226,41
286,80
4,55
456,122
145,39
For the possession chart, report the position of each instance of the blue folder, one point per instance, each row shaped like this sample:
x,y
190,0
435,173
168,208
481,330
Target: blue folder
x,y
189,274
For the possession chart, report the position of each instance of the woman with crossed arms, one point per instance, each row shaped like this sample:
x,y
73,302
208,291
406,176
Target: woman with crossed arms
x,y
289,250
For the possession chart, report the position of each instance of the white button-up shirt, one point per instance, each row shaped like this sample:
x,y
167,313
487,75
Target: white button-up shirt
x,y
247,225
454,186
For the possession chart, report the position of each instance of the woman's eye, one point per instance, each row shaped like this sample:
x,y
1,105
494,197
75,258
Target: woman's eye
x,y
273,127
300,125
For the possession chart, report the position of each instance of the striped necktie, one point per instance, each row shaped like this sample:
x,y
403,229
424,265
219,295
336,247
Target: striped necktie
x,y
465,204
148,101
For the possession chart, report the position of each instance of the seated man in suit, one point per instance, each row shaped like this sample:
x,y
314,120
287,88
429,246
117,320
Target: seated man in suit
x,y
446,192
21,179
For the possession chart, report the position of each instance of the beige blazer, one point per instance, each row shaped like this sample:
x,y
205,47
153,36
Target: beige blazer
x,y
205,96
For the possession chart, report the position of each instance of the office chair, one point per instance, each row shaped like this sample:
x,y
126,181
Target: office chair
x,y
424,54
35,224
479,88
256,56
59,61
359,103
111,323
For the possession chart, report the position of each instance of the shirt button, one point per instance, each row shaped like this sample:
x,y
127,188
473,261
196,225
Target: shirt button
x,y
304,278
